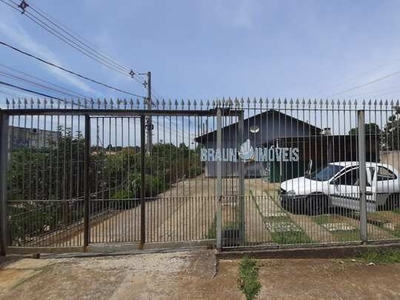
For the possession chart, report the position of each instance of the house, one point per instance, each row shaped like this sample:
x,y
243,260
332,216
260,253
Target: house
x,y
316,151
258,131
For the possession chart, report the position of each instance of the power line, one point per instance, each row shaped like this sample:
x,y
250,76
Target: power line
x,y
375,94
69,71
365,84
358,76
42,80
73,44
68,36
10,5
5,74
47,17
56,33
9,94
32,91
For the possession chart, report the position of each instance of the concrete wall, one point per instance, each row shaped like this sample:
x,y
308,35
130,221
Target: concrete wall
x,y
391,158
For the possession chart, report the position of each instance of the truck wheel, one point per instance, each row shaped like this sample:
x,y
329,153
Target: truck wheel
x,y
317,205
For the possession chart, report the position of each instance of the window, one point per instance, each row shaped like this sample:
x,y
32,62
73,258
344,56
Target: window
x,y
385,174
351,178
326,173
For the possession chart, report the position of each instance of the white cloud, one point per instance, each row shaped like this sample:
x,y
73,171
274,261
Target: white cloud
x,y
10,28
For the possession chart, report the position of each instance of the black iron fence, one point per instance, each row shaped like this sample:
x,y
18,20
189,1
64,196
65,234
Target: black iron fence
x,y
234,173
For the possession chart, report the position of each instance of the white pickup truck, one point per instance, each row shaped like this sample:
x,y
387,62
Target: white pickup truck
x,y
337,185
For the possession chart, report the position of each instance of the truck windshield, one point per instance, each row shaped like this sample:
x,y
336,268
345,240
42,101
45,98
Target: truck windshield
x,y
326,173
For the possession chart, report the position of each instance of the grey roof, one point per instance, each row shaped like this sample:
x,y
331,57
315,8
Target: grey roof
x,y
272,113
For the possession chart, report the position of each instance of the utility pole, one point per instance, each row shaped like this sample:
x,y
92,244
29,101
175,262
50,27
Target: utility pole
x,y
149,124
148,105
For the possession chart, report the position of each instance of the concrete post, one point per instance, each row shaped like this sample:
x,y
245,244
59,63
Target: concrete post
x,y
3,182
241,184
219,181
363,175
86,231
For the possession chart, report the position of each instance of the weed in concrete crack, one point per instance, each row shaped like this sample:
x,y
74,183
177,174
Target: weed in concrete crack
x,y
248,278
385,256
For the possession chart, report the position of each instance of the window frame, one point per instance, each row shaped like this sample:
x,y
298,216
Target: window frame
x,y
389,171
350,169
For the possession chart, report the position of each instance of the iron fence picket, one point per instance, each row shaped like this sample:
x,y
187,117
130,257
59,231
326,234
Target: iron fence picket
x,y
183,197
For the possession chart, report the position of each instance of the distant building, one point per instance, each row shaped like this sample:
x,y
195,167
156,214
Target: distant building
x,y
20,137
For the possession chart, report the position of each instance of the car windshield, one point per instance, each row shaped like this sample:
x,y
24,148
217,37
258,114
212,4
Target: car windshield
x,y
326,173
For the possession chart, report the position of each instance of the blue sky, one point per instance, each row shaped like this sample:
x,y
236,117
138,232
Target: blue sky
x,y
207,49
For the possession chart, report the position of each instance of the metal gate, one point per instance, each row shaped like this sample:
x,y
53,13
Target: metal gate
x,y
234,173
83,175
157,193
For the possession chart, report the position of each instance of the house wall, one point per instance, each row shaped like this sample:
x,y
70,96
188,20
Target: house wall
x,y
30,138
391,158
272,126
322,150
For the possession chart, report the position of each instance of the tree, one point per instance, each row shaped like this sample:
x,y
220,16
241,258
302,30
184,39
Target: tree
x,y
46,184
371,129
391,133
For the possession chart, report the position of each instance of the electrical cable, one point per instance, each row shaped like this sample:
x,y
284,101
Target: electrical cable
x,y
32,91
75,42
365,84
42,80
71,43
37,84
68,71
9,94
47,17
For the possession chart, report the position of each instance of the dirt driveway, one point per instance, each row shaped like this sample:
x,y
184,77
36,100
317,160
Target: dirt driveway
x,y
187,212
191,275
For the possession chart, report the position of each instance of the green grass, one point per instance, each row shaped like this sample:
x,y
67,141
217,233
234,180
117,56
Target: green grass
x,y
347,236
280,219
342,236
212,231
248,278
322,219
394,210
290,237
284,238
395,232
380,256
